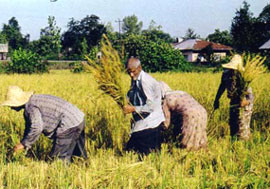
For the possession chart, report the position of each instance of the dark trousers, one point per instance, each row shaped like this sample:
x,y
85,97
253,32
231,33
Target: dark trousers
x,y
70,143
234,116
145,141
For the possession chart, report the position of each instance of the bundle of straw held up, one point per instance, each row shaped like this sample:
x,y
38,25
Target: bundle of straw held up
x,y
252,67
108,71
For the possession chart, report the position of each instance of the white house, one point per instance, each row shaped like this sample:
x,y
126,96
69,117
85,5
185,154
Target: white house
x,y
3,51
196,49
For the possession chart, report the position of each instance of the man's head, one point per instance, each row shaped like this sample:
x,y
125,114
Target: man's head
x,y
16,98
134,68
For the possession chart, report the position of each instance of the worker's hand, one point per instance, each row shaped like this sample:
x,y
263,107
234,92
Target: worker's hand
x,y
18,147
244,103
128,109
216,104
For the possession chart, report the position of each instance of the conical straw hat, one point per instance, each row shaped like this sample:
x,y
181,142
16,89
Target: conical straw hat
x,y
16,97
235,63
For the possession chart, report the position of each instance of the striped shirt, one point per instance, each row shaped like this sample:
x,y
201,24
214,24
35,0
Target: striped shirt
x,y
145,95
49,115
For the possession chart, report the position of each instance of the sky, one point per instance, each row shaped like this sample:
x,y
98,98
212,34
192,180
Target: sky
x,y
175,16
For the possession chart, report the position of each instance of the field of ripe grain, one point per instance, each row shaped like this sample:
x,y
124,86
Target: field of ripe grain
x,y
223,165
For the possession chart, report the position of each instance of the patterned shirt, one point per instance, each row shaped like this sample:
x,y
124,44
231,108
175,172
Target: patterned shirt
x,y
49,115
145,95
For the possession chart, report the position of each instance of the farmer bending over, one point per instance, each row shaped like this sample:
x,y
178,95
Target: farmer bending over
x,y
52,116
146,109
187,115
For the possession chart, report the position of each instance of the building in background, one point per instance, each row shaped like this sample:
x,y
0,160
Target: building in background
x,y
197,50
3,51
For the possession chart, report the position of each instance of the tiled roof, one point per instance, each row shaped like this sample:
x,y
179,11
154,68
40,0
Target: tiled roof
x,y
266,45
3,48
197,44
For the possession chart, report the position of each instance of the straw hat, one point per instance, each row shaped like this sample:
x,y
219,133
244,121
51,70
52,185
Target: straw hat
x,y
235,63
16,97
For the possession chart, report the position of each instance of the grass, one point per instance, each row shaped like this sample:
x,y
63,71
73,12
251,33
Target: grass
x,y
224,165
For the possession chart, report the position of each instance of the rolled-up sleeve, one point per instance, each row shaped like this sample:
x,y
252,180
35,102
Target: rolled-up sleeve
x,y
152,92
33,127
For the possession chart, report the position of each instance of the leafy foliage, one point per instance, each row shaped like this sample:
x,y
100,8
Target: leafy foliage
x,y
155,57
13,35
190,34
23,61
222,37
89,29
131,25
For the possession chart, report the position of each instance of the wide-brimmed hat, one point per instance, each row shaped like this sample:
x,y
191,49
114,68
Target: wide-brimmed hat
x,y
16,97
236,63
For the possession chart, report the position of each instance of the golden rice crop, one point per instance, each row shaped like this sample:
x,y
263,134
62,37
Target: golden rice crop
x,y
108,72
252,67
242,164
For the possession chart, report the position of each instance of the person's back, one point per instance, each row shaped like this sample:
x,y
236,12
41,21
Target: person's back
x,y
182,102
188,117
55,112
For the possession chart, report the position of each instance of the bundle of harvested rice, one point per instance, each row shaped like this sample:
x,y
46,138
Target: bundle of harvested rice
x,y
108,71
251,68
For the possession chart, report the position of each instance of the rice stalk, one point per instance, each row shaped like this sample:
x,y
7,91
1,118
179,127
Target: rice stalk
x,y
252,67
107,71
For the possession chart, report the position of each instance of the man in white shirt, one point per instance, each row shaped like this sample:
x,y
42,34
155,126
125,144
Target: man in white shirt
x,y
145,105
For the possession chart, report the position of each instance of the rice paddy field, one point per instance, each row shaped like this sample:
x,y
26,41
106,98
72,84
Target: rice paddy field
x,y
225,164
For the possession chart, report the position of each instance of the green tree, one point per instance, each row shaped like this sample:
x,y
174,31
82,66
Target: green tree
x,y
3,38
223,37
12,32
155,57
23,61
242,29
155,33
190,34
88,28
51,33
264,16
131,25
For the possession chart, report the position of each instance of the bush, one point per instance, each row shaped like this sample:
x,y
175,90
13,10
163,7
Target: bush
x,y
76,67
155,56
23,61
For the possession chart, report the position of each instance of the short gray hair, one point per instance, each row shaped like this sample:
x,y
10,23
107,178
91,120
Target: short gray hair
x,y
134,62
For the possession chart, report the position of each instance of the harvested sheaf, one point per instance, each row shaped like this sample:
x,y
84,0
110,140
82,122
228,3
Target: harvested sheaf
x,y
252,68
107,72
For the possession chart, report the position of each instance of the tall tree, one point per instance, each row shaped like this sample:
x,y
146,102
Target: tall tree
x,y
154,32
89,28
12,32
131,25
52,33
242,29
223,37
264,16
190,34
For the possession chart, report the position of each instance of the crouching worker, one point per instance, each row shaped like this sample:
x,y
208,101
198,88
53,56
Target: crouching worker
x,y
52,116
187,115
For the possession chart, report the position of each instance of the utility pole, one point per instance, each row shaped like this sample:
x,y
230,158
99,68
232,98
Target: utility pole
x,y
119,24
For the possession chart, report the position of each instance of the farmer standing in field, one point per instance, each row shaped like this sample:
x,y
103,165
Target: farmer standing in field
x,y
146,109
241,103
52,116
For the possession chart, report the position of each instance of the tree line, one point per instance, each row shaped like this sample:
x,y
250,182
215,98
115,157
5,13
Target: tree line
x,y
152,45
